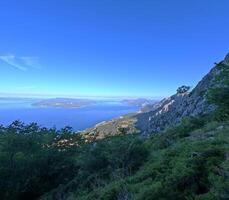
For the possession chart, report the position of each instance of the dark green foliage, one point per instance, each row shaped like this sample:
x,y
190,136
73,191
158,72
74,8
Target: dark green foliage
x,y
122,130
28,168
219,95
107,161
183,89
187,125
178,164
35,160
179,173
118,154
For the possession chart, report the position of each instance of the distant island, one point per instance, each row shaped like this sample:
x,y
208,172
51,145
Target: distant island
x,y
64,103
79,103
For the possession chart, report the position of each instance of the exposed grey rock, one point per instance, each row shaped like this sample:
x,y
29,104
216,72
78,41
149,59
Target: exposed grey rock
x,y
121,125
170,111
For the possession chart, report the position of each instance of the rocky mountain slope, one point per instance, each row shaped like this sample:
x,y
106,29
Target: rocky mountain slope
x,y
117,126
169,111
172,110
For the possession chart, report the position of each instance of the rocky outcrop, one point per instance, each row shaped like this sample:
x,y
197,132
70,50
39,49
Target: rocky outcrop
x,y
170,111
118,126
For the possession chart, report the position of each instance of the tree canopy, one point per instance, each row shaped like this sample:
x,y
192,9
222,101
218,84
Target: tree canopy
x,y
183,89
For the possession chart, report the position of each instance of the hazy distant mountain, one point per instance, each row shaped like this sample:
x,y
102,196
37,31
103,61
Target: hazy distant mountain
x,y
141,102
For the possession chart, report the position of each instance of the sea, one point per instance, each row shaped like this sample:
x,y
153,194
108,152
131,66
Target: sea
x,y
77,118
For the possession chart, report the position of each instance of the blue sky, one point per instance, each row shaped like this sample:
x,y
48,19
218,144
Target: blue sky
x,y
107,47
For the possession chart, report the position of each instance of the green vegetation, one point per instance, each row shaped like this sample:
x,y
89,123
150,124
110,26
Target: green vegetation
x,y
183,89
219,95
29,164
35,160
188,161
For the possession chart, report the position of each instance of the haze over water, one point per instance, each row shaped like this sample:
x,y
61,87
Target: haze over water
x,y
78,118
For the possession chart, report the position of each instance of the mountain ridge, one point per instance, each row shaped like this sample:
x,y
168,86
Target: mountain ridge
x,y
173,109
161,115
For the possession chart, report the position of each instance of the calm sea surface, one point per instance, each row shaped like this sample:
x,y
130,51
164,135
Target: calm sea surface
x,y
78,118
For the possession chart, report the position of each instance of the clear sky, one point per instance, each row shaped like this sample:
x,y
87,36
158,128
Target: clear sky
x,y
109,47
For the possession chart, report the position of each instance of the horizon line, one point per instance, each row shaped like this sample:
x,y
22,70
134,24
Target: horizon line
x,y
39,95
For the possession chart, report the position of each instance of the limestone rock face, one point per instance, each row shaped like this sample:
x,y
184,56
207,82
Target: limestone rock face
x,y
170,111
159,116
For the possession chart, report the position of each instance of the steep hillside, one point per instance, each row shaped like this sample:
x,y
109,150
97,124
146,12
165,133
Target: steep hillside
x,y
190,161
169,111
117,126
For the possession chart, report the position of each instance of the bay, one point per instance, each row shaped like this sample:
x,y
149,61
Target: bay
x,y
77,118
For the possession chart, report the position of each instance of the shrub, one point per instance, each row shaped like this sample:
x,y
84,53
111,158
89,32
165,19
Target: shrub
x,y
183,89
219,95
28,168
